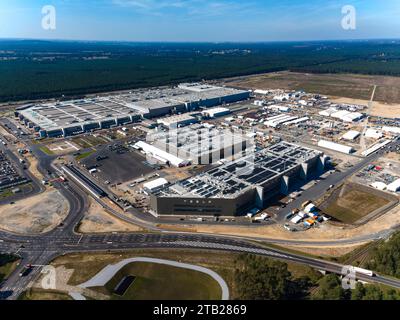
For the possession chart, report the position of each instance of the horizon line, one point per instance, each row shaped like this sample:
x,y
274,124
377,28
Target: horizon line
x,y
199,42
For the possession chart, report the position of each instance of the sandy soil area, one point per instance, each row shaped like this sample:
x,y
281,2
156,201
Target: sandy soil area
x,y
379,109
36,214
393,156
326,252
62,148
33,168
326,232
97,220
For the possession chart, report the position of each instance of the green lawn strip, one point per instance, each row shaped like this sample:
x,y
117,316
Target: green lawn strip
x,y
8,263
84,155
46,150
159,282
41,294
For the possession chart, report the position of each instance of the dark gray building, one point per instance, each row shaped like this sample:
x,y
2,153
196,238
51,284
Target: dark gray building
x,y
236,187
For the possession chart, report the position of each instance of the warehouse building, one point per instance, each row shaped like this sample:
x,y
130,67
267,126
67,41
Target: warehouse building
x,y
373,134
160,155
236,187
202,144
394,186
335,146
77,116
344,115
351,135
178,121
215,112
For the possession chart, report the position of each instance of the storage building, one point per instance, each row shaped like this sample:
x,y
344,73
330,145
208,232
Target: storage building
x,y
394,186
335,146
351,135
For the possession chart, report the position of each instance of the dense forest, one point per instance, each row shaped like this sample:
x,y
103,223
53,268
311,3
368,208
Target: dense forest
x,y
42,69
385,258
260,278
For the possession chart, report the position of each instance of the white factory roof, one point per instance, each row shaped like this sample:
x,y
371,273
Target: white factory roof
x,y
216,111
160,154
328,112
304,119
394,186
262,92
351,135
296,219
375,148
340,114
197,87
277,120
374,134
343,115
395,130
158,183
335,146
279,108
379,185
177,119
352,116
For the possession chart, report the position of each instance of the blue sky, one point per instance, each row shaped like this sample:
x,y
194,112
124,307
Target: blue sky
x,y
200,20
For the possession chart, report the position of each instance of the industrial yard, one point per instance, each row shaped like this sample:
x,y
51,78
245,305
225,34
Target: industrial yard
x,y
209,162
269,164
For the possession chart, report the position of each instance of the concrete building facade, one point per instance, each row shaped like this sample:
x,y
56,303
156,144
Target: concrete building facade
x,y
236,187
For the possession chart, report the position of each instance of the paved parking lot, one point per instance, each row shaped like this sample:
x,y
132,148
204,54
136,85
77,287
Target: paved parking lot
x,y
120,165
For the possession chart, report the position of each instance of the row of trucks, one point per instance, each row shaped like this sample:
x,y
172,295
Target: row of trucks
x,y
308,215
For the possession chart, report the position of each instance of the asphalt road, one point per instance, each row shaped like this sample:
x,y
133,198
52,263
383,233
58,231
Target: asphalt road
x,y
41,249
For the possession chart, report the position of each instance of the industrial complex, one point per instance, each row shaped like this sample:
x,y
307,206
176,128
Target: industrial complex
x,y
85,115
241,185
196,144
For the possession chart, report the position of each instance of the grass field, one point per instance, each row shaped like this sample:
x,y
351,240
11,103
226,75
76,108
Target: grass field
x,y
46,150
8,263
41,294
84,155
86,266
5,194
339,85
162,282
353,204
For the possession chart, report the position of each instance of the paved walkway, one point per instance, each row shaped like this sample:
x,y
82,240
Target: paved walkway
x,y
108,272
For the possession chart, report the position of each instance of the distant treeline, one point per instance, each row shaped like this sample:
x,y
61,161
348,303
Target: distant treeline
x,y
45,69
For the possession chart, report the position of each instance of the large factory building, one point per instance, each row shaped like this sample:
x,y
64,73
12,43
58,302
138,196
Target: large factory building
x,y
77,116
239,186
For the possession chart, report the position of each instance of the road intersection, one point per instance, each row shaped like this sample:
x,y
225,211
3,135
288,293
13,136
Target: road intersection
x,y
42,249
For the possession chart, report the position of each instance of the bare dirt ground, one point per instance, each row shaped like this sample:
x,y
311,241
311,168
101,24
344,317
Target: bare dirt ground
x,y
33,168
393,156
339,85
326,252
34,215
379,109
97,220
63,276
326,232
62,148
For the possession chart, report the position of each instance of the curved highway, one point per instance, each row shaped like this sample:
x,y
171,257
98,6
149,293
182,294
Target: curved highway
x,y
39,250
